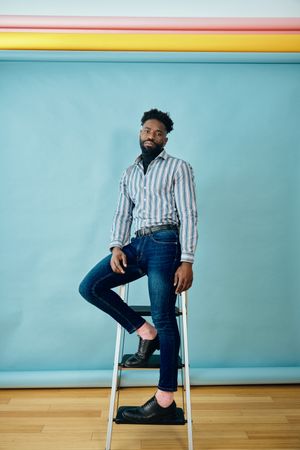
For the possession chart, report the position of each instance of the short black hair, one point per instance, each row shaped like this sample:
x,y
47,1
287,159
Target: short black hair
x,y
158,115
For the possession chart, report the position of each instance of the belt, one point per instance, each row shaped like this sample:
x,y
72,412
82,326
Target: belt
x,y
149,230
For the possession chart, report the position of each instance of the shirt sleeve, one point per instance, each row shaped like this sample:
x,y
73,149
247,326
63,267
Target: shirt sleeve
x,y
185,198
120,231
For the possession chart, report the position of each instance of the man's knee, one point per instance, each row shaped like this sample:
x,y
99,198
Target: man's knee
x,y
83,289
94,282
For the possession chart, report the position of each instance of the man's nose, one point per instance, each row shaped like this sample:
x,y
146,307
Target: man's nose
x,y
151,134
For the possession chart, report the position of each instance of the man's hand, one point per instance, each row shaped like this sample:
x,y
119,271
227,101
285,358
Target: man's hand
x,y
183,278
118,260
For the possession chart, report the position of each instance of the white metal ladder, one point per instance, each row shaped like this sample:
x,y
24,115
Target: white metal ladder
x,y
117,369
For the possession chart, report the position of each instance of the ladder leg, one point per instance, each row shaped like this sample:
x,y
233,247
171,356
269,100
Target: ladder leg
x,y
114,379
187,371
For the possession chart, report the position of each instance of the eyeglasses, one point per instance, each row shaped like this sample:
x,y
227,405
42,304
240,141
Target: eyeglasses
x,y
157,133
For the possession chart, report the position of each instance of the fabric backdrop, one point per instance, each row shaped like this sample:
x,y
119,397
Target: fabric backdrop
x,y
68,129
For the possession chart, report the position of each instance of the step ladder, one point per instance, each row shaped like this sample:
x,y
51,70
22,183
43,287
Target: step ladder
x,y
115,412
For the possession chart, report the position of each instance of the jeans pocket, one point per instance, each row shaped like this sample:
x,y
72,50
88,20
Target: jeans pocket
x,y
165,237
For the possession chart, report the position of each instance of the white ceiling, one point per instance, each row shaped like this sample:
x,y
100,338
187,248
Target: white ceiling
x,y
154,8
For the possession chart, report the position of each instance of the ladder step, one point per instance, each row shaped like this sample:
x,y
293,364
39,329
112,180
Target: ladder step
x,y
178,420
145,310
152,363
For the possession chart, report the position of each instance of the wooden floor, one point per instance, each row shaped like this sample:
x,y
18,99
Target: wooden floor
x,y
224,417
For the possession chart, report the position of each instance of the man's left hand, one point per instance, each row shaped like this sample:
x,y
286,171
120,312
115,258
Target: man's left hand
x,y
183,278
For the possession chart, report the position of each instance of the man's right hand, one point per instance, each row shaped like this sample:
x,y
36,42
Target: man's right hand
x,y
118,260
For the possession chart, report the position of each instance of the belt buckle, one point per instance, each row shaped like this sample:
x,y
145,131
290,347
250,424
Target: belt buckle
x,y
146,231
142,231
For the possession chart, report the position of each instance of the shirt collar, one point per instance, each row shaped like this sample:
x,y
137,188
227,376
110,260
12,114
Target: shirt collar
x,y
163,155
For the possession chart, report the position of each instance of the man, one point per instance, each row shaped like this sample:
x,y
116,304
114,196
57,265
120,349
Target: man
x,y
157,194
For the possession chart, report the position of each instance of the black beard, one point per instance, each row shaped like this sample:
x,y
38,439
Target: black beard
x,y
155,150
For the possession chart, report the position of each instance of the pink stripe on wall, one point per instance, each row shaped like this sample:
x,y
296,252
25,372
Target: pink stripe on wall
x,y
150,23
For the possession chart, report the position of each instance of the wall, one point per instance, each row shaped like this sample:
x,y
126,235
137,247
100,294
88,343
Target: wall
x,y
174,8
68,130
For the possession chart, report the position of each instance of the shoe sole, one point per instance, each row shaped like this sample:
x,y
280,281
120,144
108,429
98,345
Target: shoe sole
x,y
176,419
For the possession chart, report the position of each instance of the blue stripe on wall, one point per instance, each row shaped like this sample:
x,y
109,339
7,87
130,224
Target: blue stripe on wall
x,y
185,57
102,378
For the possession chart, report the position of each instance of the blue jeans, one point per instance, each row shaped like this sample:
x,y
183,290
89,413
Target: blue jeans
x,y
157,256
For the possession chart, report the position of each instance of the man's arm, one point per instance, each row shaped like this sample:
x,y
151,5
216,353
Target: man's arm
x,y
120,231
185,198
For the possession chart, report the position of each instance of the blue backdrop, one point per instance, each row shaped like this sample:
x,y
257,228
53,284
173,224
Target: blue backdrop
x,y
68,129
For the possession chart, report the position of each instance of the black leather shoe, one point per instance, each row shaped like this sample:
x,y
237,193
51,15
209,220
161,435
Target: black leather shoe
x,y
150,412
145,350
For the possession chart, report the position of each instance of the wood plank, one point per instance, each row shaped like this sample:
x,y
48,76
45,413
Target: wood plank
x,y
41,438
242,444
268,412
222,419
19,428
224,399
86,401
65,445
50,413
293,419
260,426
273,434
157,435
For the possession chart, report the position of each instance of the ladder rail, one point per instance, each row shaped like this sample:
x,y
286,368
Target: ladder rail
x,y
184,299
182,378
114,378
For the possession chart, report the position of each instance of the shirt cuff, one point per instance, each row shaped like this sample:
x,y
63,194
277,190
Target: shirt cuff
x,y
115,244
187,257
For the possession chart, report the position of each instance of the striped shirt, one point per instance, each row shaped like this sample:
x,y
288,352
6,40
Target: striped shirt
x,y
165,195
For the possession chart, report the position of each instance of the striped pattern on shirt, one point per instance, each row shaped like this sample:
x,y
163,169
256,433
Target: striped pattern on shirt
x,y
165,195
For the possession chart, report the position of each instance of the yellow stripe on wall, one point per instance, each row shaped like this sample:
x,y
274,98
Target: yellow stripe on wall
x,y
151,42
